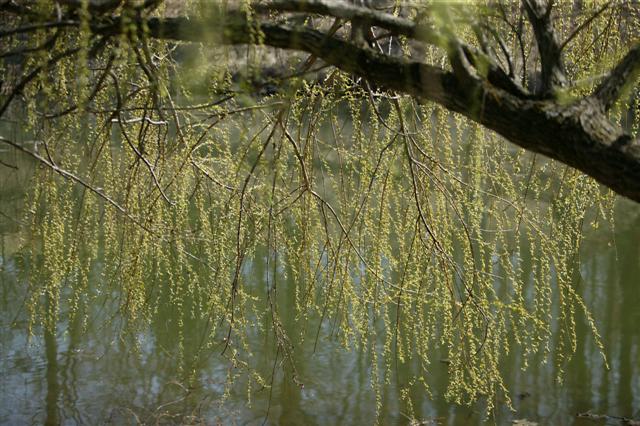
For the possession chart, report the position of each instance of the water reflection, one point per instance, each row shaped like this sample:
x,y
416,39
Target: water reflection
x,y
94,372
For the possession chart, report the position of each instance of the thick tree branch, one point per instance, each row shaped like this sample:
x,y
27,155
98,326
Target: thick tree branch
x,y
347,11
578,135
418,31
396,73
618,80
553,73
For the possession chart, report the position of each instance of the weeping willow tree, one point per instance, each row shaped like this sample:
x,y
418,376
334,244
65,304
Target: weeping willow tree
x,y
387,163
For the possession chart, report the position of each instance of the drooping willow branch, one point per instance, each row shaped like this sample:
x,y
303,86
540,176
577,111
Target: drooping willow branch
x,y
577,133
388,227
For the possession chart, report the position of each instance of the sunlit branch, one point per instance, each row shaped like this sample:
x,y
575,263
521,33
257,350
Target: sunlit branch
x,y
619,79
477,88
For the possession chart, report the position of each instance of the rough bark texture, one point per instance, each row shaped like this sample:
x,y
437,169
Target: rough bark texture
x,y
578,134
553,74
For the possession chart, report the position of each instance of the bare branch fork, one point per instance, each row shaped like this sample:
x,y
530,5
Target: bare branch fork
x,y
578,134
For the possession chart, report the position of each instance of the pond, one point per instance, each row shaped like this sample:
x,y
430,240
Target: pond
x,y
92,372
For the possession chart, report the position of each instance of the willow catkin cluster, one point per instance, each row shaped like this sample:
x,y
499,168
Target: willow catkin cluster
x,y
396,228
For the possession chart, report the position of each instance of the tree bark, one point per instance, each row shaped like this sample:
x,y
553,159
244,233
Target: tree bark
x,y
577,133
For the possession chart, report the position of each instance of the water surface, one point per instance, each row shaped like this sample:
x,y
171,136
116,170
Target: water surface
x,y
94,373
